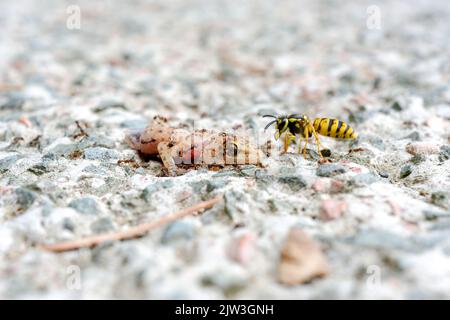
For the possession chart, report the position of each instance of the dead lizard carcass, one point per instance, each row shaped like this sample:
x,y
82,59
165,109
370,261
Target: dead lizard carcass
x,y
179,147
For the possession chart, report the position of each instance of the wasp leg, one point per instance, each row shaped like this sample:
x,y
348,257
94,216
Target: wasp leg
x,y
288,138
286,145
316,136
300,144
306,141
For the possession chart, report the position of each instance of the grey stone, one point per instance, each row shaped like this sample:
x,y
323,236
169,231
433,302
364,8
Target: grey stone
x,y
7,162
215,184
440,225
315,155
396,106
177,231
109,104
405,171
248,171
62,150
102,225
49,157
226,173
441,198
99,153
227,282
39,169
434,214
358,116
295,183
154,187
391,241
197,186
25,198
375,141
414,136
231,199
364,179
383,174
330,170
95,170
445,153
85,205
134,124
68,224
263,179
12,101
418,158
96,141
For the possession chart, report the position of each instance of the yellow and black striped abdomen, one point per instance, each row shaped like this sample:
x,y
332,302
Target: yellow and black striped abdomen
x,y
334,128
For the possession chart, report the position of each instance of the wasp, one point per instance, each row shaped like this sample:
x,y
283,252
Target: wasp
x,y
301,125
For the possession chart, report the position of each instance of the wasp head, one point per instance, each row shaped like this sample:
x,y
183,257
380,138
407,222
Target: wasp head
x,y
281,123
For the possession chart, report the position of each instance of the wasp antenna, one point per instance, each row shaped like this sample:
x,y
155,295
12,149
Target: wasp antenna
x,y
269,124
269,115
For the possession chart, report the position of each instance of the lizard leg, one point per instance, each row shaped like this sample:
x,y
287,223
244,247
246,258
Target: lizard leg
x,y
165,152
288,138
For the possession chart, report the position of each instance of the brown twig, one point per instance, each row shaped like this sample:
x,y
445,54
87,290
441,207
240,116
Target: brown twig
x,y
133,232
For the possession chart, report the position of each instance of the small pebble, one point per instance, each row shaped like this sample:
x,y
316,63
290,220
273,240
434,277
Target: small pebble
x,y
434,215
441,198
96,141
109,104
242,248
405,171
326,152
295,183
364,179
330,170
7,162
102,225
14,101
62,150
327,185
302,259
332,209
445,153
176,232
383,174
414,136
99,153
25,198
396,106
84,205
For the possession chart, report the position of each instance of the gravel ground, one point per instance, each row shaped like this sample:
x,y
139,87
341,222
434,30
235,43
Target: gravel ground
x,y
373,223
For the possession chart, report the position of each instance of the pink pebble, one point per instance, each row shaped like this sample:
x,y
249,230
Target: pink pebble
x,y
332,209
336,186
320,185
327,185
242,248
